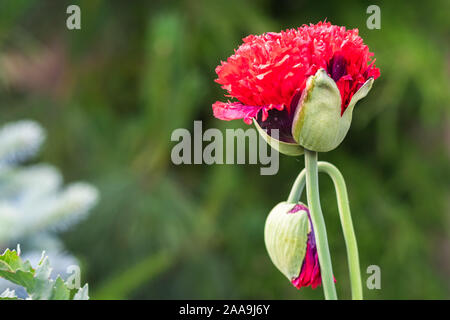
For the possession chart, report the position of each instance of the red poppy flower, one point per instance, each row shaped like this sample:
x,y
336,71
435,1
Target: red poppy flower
x,y
268,73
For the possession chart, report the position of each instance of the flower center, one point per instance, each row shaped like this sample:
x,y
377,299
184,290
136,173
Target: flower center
x,y
337,67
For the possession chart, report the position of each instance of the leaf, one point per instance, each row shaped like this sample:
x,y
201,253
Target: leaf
x,y
8,295
19,141
13,269
60,292
82,294
37,282
43,287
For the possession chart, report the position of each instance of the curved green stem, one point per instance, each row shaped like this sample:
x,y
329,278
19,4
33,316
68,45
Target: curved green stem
x,y
323,251
344,215
347,227
297,188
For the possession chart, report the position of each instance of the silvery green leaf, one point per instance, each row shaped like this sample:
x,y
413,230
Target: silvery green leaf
x,y
13,269
71,205
19,141
82,294
43,286
37,282
22,183
60,290
8,295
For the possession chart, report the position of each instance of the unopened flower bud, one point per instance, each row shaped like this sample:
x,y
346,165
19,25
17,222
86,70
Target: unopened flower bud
x,y
319,124
290,242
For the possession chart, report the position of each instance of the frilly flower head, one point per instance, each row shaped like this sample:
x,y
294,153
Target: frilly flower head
x,y
272,77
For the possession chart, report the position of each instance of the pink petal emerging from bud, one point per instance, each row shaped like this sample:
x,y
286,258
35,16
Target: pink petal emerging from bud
x,y
235,110
310,271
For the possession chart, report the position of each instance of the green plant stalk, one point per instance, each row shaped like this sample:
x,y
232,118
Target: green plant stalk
x,y
323,251
297,188
344,215
347,227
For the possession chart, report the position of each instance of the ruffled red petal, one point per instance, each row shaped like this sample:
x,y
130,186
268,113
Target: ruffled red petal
x,y
310,272
236,110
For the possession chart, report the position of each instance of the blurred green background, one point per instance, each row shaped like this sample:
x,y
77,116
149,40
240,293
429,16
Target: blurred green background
x,y
111,94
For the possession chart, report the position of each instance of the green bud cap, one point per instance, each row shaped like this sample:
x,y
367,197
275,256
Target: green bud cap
x,y
286,236
318,124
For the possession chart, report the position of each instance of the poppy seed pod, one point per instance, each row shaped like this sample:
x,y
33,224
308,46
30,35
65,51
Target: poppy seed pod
x,y
289,239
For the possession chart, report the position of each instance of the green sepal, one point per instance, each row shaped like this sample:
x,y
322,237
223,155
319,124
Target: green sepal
x,y
318,124
290,149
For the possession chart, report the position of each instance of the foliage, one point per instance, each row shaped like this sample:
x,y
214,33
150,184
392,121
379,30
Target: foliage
x,y
33,205
30,197
36,281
